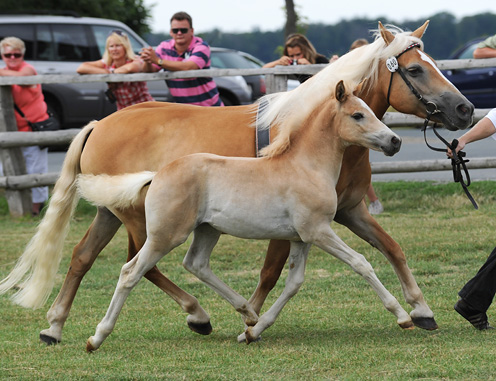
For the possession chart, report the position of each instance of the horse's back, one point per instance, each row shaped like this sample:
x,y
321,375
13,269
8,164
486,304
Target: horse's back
x,y
149,135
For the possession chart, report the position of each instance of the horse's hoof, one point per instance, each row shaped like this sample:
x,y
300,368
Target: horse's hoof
x,y
48,340
89,347
425,323
407,325
201,328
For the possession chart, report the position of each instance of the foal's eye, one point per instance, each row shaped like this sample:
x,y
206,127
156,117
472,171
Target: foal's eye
x,y
357,116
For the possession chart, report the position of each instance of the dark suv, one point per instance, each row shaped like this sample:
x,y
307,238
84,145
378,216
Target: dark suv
x,y
58,44
479,84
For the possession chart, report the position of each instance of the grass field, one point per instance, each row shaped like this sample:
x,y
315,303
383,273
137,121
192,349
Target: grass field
x,y
335,328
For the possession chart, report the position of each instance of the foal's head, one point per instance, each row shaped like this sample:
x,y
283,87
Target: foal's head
x,y
356,124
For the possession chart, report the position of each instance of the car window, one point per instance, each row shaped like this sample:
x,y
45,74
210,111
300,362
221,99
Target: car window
x,y
469,52
230,60
22,31
101,32
70,43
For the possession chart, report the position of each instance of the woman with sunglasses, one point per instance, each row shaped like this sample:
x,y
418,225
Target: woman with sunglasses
x,y
119,58
29,99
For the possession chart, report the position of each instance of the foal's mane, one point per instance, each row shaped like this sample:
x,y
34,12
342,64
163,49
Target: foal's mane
x,y
288,110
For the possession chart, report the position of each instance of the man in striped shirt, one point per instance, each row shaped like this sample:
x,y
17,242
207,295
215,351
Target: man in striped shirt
x,y
184,51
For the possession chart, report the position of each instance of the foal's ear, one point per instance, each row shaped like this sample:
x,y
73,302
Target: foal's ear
x,y
386,35
340,91
359,88
420,31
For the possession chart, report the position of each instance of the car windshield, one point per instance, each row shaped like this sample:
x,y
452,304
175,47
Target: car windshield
x,y
469,52
230,60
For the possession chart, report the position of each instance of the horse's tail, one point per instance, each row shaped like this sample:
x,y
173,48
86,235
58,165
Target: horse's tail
x,y
35,271
119,191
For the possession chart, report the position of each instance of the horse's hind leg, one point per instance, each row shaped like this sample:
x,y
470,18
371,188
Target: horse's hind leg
x,y
277,254
101,231
360,222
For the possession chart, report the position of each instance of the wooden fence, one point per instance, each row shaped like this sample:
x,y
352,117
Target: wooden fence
x,y
17,183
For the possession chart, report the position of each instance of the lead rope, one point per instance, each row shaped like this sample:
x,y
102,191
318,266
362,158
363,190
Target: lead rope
x,y
457,160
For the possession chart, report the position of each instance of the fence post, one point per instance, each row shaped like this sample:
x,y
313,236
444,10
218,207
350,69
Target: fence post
x,y
276,83
12,160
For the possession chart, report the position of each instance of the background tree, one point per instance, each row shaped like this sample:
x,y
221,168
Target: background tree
x,y
291,19
133,13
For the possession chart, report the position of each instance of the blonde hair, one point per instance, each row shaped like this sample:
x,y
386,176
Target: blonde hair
x,y
123,40
358,43
14,43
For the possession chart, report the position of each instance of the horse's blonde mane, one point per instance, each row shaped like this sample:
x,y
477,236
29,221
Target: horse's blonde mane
x,y
288,110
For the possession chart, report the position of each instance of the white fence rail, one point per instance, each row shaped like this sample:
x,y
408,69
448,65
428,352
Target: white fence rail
x,y
17,183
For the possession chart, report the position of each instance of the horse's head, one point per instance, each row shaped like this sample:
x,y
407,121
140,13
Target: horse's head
x,y
358,125
411,83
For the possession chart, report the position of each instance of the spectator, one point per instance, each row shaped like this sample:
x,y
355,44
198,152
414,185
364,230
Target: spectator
x,y
184,51
478,293
119,58
486,48
375,206
298,50
29,99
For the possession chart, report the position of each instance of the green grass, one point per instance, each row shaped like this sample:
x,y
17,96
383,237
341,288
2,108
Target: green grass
x,y
335,328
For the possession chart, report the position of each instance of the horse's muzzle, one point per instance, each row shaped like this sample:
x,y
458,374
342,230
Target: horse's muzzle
x,y
393,146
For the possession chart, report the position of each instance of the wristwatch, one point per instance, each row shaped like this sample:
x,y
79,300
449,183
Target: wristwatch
x,y
160,62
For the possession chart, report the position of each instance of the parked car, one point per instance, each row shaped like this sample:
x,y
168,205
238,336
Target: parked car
x,y
58,44
478,85
222,58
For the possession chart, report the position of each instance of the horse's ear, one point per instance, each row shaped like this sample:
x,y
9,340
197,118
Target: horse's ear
x,y
359,88
340,91
420,31
386,35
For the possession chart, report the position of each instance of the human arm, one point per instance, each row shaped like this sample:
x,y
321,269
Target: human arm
x,y
484,53
26,70
483,129
154,63
283,61
92,67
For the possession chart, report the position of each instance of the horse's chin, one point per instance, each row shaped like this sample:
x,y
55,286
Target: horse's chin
x,y
450,124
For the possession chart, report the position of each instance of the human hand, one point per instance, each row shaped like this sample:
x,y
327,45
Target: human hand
x,y
461,145
148,55
285,61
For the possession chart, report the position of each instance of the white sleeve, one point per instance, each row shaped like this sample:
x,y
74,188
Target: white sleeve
x,y
491,115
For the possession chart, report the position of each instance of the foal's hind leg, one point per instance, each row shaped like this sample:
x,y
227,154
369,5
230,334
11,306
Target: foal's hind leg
x,y
360,222
101,231
198,320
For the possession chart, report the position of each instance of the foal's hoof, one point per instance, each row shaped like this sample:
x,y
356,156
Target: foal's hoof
x,y
89,347
425,323
48,340
407,325
201,328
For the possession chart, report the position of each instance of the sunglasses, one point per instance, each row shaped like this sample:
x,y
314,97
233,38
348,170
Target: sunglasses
x,y
118,32
12,55
182,30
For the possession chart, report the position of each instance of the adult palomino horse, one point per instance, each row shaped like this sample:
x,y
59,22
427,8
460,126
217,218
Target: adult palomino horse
x,y
290,194
150,135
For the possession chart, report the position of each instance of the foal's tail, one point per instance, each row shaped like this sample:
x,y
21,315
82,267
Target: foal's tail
x,y
114,192
35,271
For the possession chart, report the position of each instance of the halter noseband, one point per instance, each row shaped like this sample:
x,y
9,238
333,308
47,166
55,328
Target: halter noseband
x,y
457,160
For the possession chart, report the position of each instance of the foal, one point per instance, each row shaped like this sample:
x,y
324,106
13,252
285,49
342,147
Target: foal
x,y
290,194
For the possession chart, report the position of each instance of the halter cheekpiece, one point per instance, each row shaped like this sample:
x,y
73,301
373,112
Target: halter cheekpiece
x,y
457,161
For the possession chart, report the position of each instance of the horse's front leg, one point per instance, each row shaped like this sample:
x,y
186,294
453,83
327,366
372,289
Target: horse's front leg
x,y
297,261
101,231
327,240
360,222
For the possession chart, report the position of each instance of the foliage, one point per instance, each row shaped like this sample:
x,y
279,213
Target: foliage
x,y
334,328
444,35
133,13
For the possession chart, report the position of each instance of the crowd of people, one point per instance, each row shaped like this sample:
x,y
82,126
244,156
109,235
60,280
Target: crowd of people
x,y
185,51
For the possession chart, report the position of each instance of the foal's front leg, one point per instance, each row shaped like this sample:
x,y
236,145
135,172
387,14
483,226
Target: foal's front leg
x,y
360,222
297,261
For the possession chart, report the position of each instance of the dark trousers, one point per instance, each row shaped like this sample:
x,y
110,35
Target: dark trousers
x,y
479,291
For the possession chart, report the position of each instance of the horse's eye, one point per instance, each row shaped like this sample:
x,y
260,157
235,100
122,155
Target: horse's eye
x,y
414,70
357,116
